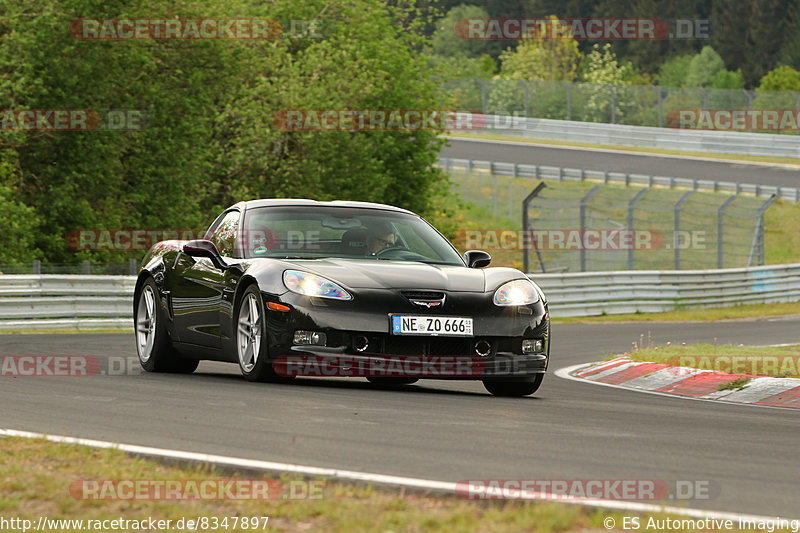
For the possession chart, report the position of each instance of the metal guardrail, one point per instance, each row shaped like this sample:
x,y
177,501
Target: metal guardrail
x,y
597,293
543,172
53,302
706,141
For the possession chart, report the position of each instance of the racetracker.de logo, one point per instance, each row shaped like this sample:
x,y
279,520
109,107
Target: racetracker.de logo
x,y
735,119
423,366
178,29
71,366
582,29
72,119
585,489
378,120
757,365
575,239
195,489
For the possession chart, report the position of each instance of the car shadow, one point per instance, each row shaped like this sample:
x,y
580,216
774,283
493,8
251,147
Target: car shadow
x,y
350,384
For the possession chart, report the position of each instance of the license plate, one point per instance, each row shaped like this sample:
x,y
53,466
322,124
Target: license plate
x,y
451,326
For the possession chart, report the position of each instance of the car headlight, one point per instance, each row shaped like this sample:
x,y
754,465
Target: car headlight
x,y
310,284
517,292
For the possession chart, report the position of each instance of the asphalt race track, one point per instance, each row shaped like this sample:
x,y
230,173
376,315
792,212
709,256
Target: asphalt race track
x,y
446,431
622,162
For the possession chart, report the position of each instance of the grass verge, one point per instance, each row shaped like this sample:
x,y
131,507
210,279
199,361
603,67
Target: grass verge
x,y
739,312
773,361
37,476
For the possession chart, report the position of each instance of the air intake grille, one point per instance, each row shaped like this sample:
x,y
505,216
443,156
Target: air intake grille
x,y
423,295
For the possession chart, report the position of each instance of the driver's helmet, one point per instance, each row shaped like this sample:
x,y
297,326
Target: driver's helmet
x,y
380,235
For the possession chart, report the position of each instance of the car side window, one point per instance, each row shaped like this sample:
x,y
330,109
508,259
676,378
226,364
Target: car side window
x,y
223,234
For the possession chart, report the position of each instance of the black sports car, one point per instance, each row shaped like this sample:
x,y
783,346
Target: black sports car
x,y
291,288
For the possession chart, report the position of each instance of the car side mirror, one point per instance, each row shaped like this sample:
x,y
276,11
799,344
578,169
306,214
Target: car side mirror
x,y
205,248
477,258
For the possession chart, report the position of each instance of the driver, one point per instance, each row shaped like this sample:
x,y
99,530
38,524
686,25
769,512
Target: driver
x,y
380,236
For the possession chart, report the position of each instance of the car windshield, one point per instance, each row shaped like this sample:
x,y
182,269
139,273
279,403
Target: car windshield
x,y
310,232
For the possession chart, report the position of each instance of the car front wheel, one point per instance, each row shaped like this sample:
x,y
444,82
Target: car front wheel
x,y
251,338
513,388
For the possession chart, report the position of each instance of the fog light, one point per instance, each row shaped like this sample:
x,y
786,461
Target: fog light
x,y
310,337
532,345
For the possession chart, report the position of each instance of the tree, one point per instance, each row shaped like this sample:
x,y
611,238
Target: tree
x,y
703,67
783,78
542,59
673,71
449,40
210,137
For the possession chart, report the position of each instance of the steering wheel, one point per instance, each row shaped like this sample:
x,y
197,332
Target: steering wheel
x,y
394,248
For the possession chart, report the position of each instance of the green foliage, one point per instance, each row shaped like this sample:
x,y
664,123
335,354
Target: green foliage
x,y
703,67
672,72
783,78
542,59
726,79
448,41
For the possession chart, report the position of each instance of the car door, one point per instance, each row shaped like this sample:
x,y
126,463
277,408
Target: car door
x,y
199,289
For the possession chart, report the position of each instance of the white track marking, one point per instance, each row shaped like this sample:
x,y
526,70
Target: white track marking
x,y
446,487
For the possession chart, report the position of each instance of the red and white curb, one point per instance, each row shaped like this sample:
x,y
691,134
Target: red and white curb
x,y
689,382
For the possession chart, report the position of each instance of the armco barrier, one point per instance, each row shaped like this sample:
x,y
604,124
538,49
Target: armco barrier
x,y
53,302
720,142
543,172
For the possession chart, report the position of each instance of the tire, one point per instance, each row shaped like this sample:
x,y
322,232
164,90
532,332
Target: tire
x,y
514,388
155,350
392,381
251,338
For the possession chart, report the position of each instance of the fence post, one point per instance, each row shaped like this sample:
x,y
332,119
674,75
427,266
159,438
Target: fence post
x,y
721,231
36,267
631,206
526,228
85,267
132,263
483,95
510,195
757,247
660,94
525,93
494,194
568,94
676,232
613,92
584,202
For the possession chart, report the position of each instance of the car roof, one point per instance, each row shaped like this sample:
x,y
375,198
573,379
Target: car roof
x,y
284,202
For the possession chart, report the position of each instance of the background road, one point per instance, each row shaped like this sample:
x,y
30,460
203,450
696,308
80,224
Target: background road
x,y
622,162
441,430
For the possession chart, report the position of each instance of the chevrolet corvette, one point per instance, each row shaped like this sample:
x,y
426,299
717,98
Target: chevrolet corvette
x,y
288,288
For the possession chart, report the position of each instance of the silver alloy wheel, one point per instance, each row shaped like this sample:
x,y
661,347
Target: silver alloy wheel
x,y
146,323
249,334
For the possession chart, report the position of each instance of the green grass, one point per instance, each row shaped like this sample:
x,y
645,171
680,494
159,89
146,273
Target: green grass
x,y
475,205
736,384
773,361
661,151
36,475
740,312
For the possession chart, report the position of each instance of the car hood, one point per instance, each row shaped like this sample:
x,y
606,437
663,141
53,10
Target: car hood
x,y
372,274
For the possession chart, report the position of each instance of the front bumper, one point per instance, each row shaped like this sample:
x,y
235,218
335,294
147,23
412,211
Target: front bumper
x,y
498,330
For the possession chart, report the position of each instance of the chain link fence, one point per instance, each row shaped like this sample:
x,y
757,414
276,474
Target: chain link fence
x,y
635,105
577,227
